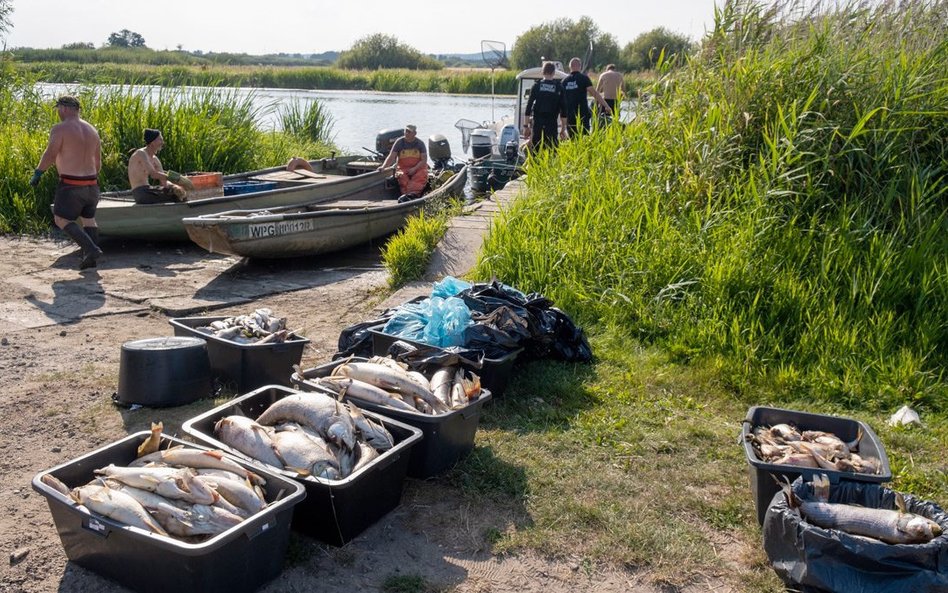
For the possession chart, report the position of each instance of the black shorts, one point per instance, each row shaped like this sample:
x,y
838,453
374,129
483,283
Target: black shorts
x,y
149,194
75,201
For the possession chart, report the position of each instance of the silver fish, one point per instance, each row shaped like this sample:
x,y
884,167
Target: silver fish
x,y
248,437
307,456
116,505
890,526
176,483
329,417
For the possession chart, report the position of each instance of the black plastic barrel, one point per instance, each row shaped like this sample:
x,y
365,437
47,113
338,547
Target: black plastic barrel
x,y
162,372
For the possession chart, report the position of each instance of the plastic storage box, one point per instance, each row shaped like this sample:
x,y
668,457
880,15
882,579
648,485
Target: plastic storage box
x,y
764,476
239,560
335,511
446,438
494,374
234,188
244,366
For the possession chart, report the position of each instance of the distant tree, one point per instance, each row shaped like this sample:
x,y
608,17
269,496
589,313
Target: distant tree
x,y
126,38
6,9
563,39
385,51
644,51
79,45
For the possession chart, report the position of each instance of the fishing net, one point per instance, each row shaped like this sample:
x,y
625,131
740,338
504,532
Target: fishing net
x,y
466,126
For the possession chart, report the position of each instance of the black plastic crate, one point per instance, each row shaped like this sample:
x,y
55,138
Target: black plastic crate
x,y
244,366
764,476
239,560
335,511
447,438
495,372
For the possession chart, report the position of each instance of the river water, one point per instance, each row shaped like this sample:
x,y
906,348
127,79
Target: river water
x,y
359,115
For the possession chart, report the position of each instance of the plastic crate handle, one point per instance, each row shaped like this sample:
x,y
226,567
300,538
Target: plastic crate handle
x,y
96,526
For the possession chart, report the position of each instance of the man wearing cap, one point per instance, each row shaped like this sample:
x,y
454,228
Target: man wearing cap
x,y
412,158
144,164
74,147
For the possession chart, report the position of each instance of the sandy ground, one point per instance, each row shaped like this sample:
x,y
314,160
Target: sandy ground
x,y
60,347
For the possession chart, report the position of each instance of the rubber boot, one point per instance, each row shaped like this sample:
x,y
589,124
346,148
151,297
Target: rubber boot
x,y
90,251
93,232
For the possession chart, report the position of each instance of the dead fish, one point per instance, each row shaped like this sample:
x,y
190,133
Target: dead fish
x,y
237,492
152,443
391,380
198,459
889,526
195,520
306,455
360,390
441,383
367,453
55,483
327,416
373,433
116,505
176,483
248,437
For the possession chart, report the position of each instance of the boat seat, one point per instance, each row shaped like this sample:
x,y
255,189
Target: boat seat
x,y
292,177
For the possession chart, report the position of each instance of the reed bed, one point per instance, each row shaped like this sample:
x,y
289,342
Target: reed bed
x,y
471,82
777,209
204,130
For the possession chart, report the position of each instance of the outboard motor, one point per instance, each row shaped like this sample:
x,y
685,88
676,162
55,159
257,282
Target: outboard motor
x,y
385,139
439,151
511,155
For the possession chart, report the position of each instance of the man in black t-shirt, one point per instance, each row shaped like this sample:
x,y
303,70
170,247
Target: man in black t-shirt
x,y
576,86
544,107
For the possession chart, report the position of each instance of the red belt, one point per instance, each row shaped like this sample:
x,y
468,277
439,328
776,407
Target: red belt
x,y
77,181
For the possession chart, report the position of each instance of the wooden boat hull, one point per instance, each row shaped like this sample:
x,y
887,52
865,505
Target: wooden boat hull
x,y
119,216
315,228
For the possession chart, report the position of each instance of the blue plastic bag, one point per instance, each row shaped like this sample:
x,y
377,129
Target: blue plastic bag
x,y
449,286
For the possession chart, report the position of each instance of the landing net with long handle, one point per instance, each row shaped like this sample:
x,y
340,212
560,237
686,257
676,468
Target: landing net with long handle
x,y
494,54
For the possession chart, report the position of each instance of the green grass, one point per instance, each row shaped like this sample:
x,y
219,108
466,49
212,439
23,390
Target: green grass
x,y
407,253
771,230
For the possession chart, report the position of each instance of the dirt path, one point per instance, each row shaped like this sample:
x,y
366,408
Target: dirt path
x,y
59,353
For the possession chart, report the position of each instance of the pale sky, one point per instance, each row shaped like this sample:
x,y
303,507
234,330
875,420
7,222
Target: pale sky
x,y
257,27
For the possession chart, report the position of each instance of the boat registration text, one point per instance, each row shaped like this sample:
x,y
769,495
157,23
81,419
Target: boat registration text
x,y
276,229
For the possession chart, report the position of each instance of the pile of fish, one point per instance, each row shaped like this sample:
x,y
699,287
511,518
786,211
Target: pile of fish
x,y
784,444
386,382
889,526
181,492
260,327
310,434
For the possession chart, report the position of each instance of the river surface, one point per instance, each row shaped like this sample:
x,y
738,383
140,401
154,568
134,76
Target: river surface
x,y
359,115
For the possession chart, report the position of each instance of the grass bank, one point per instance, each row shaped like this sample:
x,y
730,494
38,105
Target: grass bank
x,y
213,130
770,230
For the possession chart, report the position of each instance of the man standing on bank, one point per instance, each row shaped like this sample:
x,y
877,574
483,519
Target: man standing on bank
x,y
610,87
412,156
576,86
74,147
544,108
144,164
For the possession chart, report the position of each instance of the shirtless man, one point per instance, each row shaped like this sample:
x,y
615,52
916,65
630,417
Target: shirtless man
x,y
610,87
144,164
74,147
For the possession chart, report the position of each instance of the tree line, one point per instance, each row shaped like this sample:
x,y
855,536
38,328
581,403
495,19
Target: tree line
x,y
560,39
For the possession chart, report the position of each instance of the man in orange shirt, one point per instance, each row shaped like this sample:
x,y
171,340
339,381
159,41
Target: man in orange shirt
x,y
412,158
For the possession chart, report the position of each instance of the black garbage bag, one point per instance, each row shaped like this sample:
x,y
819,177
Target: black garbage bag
x,y
422,358
529,320
356,340
811,559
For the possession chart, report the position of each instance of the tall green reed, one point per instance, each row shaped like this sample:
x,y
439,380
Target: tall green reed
x,y
777,207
